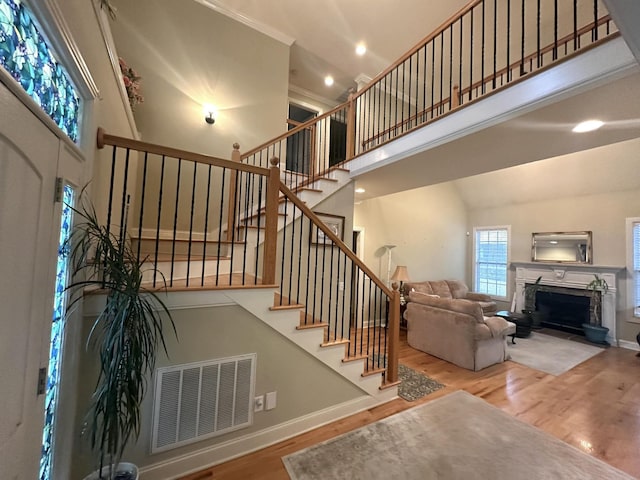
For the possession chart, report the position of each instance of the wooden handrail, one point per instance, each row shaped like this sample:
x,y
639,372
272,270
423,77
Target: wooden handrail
x,y
339,243
106,139
443,26
489,78
549,48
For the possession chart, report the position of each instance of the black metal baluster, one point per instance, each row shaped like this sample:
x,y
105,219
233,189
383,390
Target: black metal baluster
x,y
247,220
284,249
123,220
306,299
402,98
221,213
322,274
114,158
231,222
344,295
193,202
522,70
331,283
144,191
424,85
175,222
509,41
460,87
433,76
367,349
293,237
482,51
353,308
409,95
375,353
261,186
495,41
539,60
206,227
315,272
155,260
554,56
471,56
450,67
362,304
576,41
440,110
594,30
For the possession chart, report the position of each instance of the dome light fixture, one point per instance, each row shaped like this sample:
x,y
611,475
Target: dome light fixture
x,y
360,190
587,126
361,49
328,80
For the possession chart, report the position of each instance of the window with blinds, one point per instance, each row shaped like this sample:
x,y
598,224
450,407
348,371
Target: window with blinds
x,y
491,260
636,267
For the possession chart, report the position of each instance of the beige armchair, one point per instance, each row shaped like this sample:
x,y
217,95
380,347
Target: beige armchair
x,y
456,330
450,289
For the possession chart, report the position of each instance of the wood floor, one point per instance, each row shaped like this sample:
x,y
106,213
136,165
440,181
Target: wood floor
x,y
594,407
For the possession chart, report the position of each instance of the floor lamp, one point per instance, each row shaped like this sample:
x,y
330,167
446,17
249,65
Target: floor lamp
x,y
388,248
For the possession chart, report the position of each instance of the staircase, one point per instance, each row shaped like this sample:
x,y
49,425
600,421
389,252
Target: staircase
x,y
246,225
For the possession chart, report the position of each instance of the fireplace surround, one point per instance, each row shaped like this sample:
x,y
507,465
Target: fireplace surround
x,y
570,281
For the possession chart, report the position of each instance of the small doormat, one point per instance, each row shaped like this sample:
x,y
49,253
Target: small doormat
x,y
414,385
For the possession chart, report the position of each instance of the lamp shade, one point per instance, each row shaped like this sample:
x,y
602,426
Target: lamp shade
x,y
400,274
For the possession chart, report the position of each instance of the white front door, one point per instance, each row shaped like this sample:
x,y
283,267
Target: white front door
x,y
28,164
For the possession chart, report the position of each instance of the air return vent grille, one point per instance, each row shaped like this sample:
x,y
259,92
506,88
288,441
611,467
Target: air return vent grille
x,y
202,400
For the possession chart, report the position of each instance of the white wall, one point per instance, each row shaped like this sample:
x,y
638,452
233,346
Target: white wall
x,y
188,55
428,225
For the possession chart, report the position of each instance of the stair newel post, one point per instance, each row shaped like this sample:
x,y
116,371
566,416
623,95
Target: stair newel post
x,y
455,97
233,180
393,331
271,224
351,126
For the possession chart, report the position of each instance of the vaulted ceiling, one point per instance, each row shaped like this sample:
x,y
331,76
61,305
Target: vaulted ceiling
x,y
325,34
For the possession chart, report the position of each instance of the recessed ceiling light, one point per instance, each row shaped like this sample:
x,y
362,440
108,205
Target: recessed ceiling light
x,y
328,80
587,126
360,190
361,49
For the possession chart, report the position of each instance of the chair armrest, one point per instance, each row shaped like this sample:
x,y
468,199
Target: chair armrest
x,y
478,297
499,326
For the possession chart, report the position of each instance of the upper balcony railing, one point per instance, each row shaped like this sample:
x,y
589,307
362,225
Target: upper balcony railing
x,y
486,46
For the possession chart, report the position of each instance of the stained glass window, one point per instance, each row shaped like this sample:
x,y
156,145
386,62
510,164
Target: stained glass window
x,y
57,335
24,53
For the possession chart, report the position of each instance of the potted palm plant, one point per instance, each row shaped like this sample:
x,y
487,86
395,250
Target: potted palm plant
x,y
530,291
594,331
126,334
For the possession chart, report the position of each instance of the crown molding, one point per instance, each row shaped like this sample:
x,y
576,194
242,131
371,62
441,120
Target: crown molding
x,y
271,32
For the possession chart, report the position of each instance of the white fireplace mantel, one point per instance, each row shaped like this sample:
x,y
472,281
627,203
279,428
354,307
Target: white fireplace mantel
x,y
571,276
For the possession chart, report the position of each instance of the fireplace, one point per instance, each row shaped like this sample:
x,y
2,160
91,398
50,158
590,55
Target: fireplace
x,y
563,293
565,308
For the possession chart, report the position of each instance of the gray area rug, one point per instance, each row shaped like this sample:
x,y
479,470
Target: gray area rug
x,y
550,354
415,385
454,437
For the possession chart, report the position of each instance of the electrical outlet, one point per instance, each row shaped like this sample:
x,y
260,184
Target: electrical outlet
x,y
258,403
270,402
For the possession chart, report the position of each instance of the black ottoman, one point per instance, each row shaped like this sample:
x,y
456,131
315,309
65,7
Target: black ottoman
x,y
522,321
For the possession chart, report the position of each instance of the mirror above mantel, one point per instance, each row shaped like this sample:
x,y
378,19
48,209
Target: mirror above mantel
x,y
561,247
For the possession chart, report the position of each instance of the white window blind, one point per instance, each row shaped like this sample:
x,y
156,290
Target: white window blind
x,y
636,268
491,251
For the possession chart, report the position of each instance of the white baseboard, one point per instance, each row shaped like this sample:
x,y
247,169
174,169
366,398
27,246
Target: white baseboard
x,y
629,345
208,457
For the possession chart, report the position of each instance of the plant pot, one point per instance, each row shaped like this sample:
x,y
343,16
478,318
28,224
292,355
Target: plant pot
x,y
124,471
595,333
536,318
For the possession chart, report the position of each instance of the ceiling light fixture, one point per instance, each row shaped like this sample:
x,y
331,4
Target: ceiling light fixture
x,y
209,113
360,190
361,49
328,80
587,126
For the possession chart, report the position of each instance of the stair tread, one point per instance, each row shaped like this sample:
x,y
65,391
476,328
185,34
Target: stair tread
x,y
186,240
312,325
181,257
288,306
373,371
